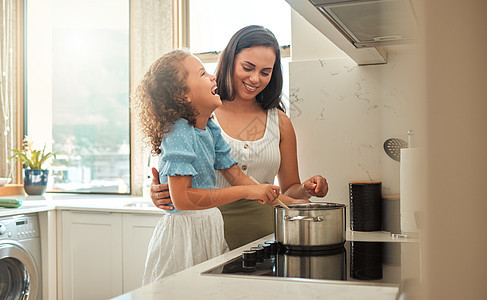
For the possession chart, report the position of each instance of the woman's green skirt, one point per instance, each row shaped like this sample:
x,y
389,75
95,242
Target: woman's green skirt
x,y
246,221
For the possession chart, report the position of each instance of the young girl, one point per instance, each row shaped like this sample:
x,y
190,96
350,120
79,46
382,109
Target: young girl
x,y
176,99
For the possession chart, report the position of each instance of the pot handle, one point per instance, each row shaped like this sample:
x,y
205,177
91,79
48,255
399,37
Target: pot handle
x,y
303,218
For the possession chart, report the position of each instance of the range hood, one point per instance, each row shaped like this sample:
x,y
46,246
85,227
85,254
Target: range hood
x,y
361,27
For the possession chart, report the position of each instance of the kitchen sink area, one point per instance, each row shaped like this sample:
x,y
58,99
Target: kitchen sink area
x,y
140,205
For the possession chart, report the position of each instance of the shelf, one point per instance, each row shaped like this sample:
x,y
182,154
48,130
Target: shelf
x,y
12,189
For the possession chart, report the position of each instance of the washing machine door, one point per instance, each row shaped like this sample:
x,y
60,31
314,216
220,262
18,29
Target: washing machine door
x,y
18,272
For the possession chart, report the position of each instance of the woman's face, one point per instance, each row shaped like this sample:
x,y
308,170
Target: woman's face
x,y
252,71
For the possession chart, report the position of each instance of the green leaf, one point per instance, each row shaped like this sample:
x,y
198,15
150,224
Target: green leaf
x,y
34,159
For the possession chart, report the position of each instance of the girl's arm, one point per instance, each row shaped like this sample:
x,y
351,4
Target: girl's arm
x,y
236,177
185,197
288,174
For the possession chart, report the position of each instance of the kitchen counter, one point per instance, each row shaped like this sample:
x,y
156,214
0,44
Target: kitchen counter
x,y
50,208
92,202
191,284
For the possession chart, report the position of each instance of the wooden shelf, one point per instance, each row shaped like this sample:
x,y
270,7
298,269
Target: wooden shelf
x,y
12,189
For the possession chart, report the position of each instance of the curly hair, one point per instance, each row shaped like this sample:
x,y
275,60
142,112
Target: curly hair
x,y
160,98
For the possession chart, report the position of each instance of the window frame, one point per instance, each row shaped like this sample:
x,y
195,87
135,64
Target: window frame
x,y
23,103
181,37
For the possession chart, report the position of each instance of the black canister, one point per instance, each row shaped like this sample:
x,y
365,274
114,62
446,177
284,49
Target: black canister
x,y
365,205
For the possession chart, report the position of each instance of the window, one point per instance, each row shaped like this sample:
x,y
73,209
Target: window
x,y
213,23
77,91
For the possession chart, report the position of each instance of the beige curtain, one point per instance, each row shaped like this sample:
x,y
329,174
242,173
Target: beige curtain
x,y
151,36
9,49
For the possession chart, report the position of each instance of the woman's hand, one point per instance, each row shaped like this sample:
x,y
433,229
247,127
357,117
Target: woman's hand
x,y
316,186
264,193
159,193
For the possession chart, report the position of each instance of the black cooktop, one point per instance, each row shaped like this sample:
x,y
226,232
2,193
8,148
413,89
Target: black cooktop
x,y
378,263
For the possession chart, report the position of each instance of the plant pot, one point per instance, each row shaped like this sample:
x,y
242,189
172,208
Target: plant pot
x,y
35,181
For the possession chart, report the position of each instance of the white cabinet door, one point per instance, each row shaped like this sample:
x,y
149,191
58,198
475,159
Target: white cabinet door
x,y
137,232
91,255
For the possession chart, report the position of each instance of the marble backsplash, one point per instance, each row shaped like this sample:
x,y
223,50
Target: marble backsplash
x,y
343,113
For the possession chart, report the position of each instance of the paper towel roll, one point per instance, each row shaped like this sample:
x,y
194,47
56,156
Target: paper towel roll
x,y
412,186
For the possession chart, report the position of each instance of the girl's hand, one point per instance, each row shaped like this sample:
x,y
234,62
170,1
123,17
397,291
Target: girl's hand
x,y
264,193
159,193
316,186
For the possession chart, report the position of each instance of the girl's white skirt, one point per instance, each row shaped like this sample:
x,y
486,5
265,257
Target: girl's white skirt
x,y
184,239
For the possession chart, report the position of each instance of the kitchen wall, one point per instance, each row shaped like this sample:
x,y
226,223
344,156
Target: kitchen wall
x,y
343,113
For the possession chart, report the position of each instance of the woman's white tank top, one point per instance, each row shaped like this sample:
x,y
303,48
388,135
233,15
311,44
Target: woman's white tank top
x,y
261,158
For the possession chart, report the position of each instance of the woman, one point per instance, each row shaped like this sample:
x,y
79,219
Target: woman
x,y
261,136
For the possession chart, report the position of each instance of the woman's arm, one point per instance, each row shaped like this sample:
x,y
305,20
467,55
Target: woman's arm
x,y
185,197
159,193
288,174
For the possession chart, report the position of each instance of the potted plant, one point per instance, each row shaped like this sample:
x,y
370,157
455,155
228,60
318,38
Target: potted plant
x,y
35,161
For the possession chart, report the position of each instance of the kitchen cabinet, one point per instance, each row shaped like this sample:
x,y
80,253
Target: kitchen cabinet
x,y
102,253
91,254
137,232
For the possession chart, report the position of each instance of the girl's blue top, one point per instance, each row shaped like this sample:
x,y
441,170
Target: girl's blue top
x,y
187,150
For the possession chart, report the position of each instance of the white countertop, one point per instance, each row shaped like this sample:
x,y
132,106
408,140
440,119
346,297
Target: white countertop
x,y
191,284
91,202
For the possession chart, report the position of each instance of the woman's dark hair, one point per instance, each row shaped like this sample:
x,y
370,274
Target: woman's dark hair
x,y
161,97
247,37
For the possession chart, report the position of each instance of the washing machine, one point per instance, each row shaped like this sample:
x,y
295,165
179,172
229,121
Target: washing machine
x,y
20,257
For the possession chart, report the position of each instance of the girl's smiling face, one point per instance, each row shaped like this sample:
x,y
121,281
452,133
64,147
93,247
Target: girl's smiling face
x,y
252,71
202,87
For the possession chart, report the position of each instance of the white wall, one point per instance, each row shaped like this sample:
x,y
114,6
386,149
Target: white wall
x,y
308,42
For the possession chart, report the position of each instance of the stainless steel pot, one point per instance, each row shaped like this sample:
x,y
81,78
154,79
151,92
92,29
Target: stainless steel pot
x,y
310,226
